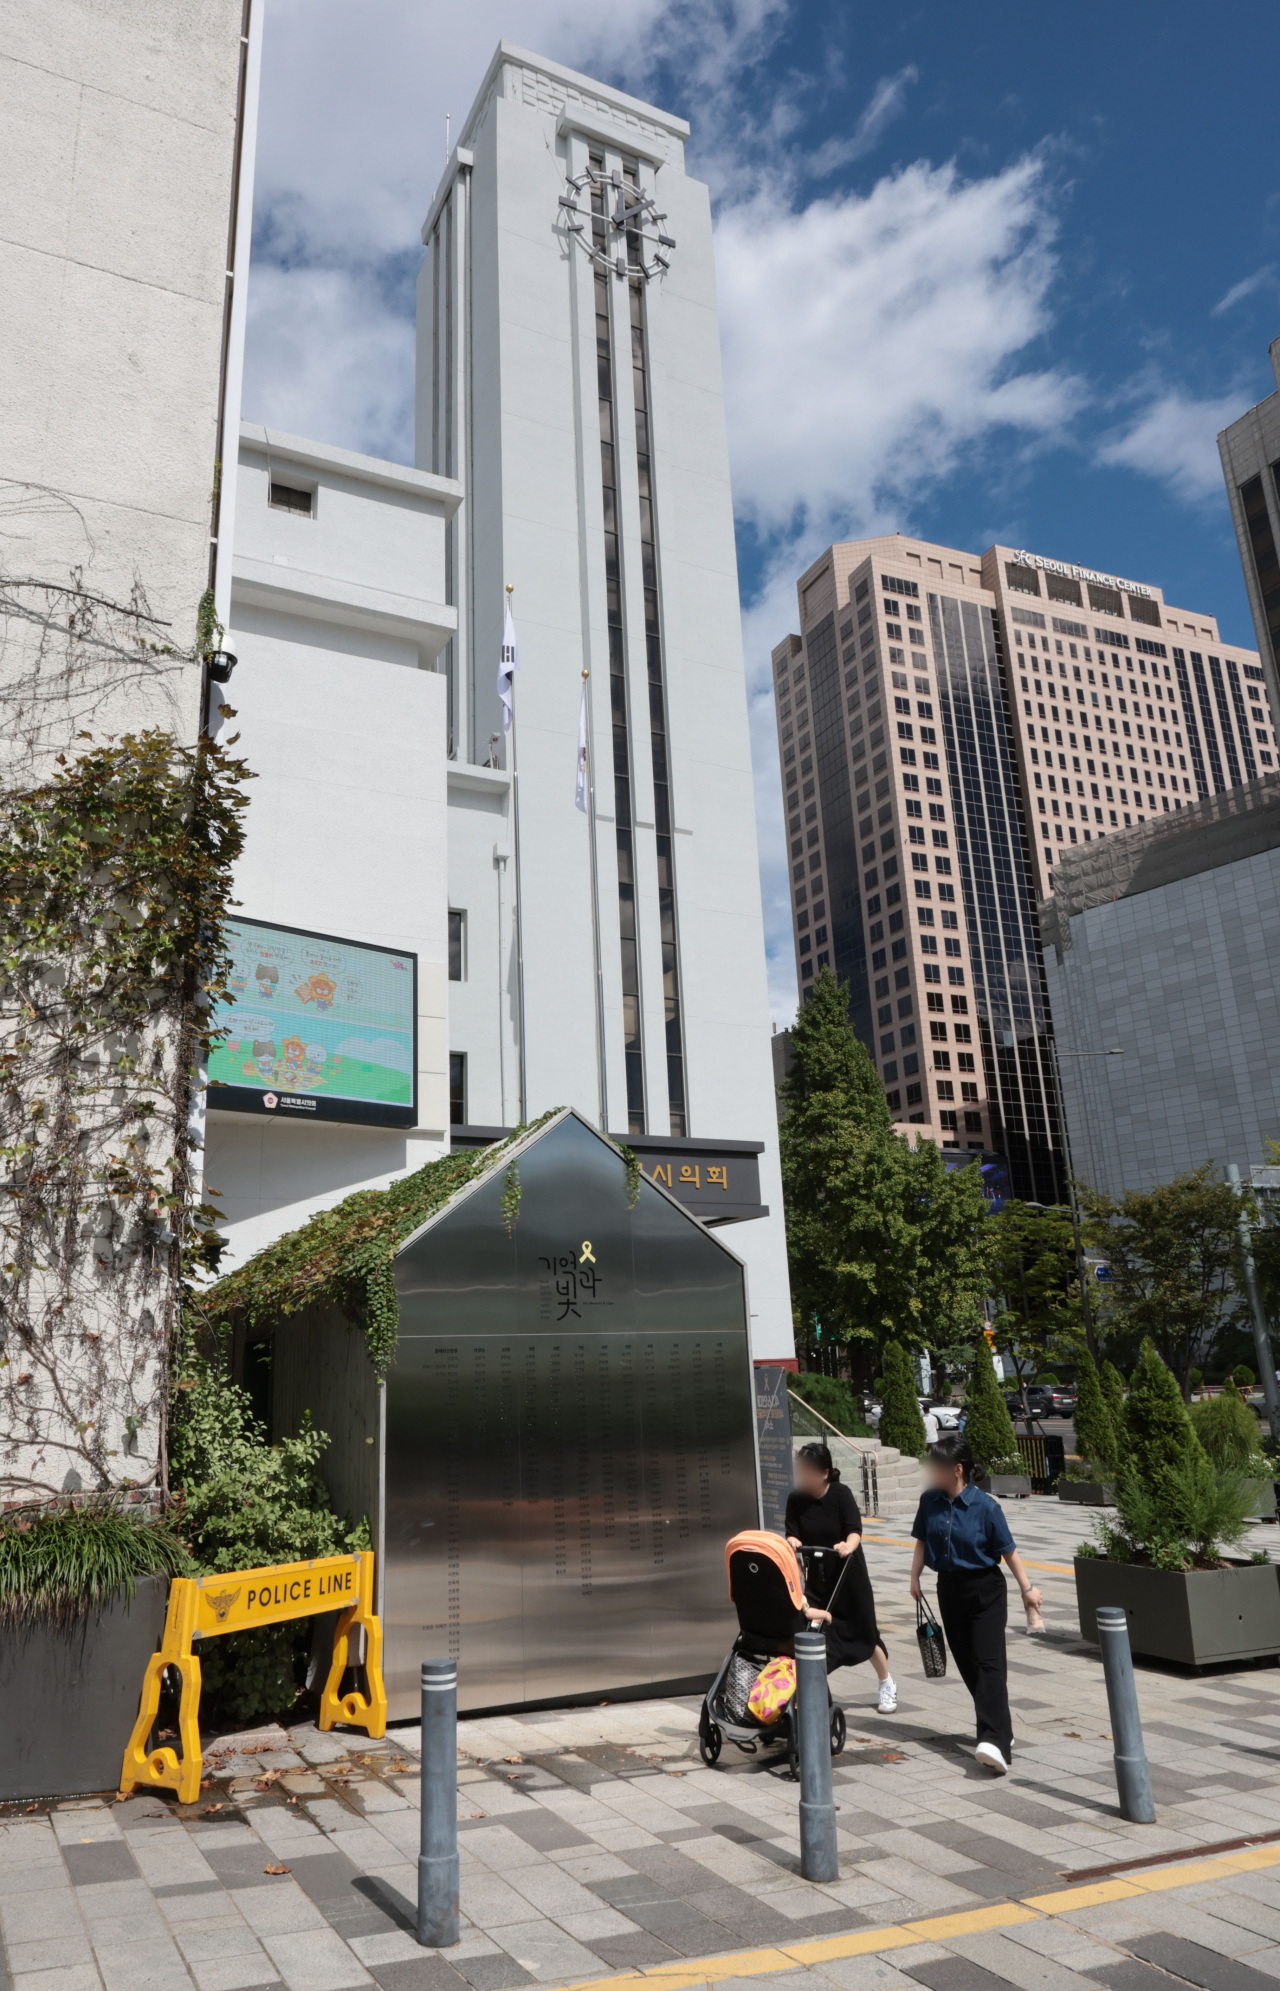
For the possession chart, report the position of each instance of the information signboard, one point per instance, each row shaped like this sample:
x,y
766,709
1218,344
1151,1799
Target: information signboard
x,y
317,1028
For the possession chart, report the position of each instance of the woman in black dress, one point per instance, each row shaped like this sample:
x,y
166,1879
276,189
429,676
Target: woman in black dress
x,y
823,1514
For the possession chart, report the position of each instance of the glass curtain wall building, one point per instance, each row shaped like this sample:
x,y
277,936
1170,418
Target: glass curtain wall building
x,y
942,741
1250,452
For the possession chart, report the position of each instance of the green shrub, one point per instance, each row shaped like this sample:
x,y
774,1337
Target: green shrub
x,y
1171,1501
988,1425
833,1400
1229,1432
900,1421
1242,1376
1113,1390
1196,1378
1048,1378
247,1503
1095,1431
61,1565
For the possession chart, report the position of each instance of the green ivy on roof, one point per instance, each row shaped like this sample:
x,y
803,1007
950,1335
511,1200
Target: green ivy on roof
x,y
345,1257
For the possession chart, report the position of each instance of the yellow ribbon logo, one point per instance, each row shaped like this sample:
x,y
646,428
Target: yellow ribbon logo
x,y
588,1256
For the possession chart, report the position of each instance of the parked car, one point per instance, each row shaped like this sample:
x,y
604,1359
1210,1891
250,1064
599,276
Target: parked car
x,y
1044,1400
947,1414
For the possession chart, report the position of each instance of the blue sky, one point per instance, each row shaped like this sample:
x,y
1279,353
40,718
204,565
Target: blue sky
x,y
995,273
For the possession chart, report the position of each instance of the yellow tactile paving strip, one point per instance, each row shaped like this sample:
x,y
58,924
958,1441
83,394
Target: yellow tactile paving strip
x,y
933,1929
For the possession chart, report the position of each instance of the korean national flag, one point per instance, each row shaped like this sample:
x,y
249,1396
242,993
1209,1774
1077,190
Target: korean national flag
x,y
580,793
509,665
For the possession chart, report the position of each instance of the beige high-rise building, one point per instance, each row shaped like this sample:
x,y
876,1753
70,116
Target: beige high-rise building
x,y
947,723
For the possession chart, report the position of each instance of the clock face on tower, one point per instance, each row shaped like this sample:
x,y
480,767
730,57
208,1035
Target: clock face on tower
x,y
617,223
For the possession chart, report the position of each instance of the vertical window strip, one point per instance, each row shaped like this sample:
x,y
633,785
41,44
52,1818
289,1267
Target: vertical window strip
x,y
657,701
632,1044
1206,717
1224,721
1189,719
1242,724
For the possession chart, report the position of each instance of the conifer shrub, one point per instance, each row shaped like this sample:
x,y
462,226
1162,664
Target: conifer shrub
x,y
1175,1507
1095,1430
988,1425
900,1421
1113,1390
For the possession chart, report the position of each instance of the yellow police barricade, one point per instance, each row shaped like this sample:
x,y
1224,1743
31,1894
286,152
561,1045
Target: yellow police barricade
x,y
205,1606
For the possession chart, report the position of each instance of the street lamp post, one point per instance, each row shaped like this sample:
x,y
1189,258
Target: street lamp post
x,y
1113,1052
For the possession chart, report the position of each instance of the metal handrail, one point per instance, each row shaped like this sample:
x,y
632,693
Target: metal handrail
x,y
870,1502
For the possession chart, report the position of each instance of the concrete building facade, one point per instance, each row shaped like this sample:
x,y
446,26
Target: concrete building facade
x,y
949,725
338,618
610,958
1165,944
1250,452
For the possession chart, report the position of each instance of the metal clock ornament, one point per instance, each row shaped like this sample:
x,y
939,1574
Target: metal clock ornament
x,y
627,235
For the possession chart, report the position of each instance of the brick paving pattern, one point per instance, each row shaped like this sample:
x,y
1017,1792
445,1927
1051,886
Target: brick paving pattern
x,y
605,1846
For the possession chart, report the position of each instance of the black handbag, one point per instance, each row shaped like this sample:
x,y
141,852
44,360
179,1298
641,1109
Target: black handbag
x,y
933,1647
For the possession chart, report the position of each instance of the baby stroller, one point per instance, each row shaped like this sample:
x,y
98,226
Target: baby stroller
x,y
768,1589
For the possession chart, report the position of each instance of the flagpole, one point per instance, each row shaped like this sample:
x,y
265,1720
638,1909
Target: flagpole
x,y
515,823
595,911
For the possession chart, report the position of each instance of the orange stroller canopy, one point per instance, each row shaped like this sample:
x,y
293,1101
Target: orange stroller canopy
x,y
771,1548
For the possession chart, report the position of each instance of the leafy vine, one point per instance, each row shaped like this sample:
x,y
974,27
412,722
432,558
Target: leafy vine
x,y
511,1197
114,883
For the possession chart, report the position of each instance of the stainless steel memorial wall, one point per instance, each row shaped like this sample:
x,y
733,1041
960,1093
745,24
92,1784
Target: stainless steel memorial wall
x,y
569,1436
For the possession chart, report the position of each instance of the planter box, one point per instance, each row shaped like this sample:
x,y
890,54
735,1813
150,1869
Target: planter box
x,y
1197,1618
70,1696
1009,1486
1085,1492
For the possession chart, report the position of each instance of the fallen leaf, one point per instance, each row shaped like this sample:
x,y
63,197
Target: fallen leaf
x,y
1072,1734
277,1869
513,1759
890,1757
477,1814
213,1807
675,1773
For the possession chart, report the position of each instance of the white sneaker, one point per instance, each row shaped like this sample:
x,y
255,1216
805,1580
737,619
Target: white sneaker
x,y
989,1755
888,1696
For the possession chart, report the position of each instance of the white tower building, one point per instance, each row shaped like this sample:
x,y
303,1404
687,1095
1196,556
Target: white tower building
x,y
569,380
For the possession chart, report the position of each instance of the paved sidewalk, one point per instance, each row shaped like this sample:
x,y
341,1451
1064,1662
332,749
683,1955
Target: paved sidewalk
x,y
593,1842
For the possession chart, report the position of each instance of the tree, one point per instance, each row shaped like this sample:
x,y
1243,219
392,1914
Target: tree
x,y
1228,1430
1171,1501
882,1238
1095,1430
1033,1275
1171,1250
1113,1390
987,1425
900,1421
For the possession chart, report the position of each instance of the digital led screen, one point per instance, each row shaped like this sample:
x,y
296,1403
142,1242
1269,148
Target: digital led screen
x,y
317,1028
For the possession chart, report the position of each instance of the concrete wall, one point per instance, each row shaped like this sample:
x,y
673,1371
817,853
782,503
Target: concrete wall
x,y
117,148
1186,980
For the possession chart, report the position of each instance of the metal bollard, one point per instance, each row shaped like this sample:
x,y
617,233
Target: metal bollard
x,y
819,1858
1133,1773
438,1857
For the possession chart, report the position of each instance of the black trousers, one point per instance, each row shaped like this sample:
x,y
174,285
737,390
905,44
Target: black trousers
x,y
975,1610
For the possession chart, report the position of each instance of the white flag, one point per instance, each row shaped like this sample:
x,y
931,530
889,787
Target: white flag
x,y
580,794
509,664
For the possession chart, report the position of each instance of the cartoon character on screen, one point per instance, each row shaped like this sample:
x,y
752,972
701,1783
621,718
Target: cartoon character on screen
x,y
323,990
264,1058
314,1070
266,976
295,1056
238,980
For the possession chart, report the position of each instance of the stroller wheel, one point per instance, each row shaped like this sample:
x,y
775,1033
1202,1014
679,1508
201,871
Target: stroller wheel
x,y
710,1741
837,1730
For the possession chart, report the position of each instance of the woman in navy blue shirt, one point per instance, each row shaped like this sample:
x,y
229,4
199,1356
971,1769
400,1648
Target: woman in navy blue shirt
x,y
962,1533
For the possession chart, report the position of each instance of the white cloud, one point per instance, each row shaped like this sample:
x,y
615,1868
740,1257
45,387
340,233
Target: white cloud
x,y
1245,288
870,339
888,101
1175,439
330,356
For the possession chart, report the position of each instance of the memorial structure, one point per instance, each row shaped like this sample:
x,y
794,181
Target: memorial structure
x,y
564,1438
